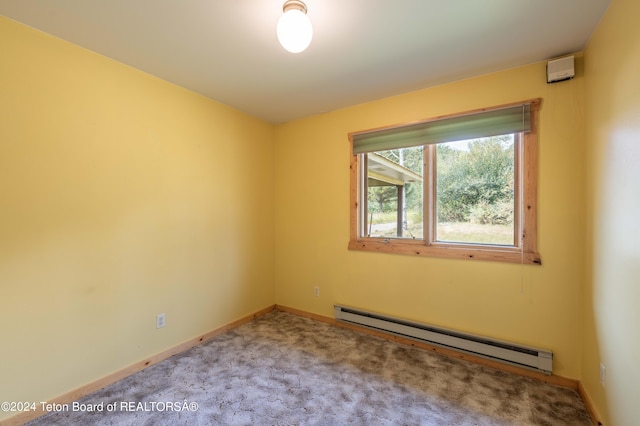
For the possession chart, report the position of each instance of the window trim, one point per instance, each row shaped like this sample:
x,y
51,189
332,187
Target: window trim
x,y
526,191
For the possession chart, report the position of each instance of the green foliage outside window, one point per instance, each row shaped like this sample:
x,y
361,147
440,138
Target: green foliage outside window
x,y
476,184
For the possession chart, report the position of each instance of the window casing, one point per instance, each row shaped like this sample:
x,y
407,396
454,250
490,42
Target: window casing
x,y
425,241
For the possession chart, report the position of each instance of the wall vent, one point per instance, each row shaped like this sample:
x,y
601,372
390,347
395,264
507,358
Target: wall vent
x,y
561,69
510,353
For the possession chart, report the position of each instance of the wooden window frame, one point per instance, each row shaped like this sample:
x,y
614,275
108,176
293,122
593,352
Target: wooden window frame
x,y
525,248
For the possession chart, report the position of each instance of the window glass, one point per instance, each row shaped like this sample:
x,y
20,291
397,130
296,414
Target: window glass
x,y
475,191
395,193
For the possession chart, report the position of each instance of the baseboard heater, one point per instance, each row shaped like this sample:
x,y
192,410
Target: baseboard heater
x,y
510,353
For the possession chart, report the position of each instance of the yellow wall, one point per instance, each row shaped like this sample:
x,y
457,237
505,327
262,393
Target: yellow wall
x,y
612,290
535,305
121,196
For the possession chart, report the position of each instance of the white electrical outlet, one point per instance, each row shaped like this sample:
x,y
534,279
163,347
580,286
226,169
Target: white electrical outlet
x,y
603,374
316,291
160,320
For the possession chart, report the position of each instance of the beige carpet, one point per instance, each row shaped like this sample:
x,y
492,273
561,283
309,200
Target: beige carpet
x,y
282,369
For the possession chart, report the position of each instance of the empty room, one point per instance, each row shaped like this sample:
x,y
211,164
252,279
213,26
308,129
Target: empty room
x,y
406,212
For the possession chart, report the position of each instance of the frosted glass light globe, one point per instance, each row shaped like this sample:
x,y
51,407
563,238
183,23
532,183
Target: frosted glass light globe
x,y
294,30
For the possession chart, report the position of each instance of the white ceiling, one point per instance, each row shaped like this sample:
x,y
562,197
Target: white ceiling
x,y
362,50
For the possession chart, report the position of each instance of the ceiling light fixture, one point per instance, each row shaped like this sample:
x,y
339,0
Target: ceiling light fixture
x,y
294,27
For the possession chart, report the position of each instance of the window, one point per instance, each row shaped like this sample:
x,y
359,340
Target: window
x,y
460,186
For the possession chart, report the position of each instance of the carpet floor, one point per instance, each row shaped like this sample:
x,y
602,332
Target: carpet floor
x,y
282,369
